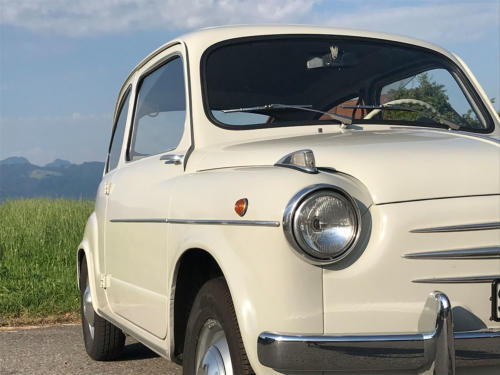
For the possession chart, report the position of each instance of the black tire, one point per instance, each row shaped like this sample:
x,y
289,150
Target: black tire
x,y
107,341
213,303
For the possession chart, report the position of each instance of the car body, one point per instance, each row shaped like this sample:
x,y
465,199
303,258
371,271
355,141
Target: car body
x,y
417,241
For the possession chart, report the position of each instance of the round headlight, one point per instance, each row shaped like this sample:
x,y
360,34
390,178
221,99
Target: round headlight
x,y
325,225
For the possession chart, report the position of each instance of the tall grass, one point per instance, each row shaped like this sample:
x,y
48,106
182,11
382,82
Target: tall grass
x,y
38,243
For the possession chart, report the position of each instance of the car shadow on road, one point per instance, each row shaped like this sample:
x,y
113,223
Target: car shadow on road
x,y
135,351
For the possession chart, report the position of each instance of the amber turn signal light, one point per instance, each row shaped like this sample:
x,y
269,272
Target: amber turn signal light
x,y
240,207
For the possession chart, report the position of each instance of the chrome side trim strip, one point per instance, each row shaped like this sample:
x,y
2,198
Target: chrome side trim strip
x,y
458,228
478,253
148,220
256,223
459,280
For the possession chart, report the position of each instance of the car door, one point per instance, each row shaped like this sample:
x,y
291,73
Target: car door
x,y
112,163
139,195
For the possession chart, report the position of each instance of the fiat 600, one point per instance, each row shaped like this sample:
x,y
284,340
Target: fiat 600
x,y
298,199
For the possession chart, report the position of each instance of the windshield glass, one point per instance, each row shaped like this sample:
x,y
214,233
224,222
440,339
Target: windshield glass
x,y
293,81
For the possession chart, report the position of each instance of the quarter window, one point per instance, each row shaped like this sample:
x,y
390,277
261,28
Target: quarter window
x,y
160,112
118,132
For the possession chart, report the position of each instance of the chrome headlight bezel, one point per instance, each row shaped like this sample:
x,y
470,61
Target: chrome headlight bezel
x,y
289,223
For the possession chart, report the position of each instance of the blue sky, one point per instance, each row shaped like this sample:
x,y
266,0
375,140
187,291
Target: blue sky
x,y
63,62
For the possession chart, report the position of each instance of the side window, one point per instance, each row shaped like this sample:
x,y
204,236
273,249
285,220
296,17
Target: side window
x,y
118,132
160,111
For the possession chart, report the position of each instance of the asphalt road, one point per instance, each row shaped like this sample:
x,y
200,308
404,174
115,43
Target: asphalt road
x,y
59,350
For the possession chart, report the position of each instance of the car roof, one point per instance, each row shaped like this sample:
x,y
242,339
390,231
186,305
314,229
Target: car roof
x,y
201,39
204,38
211,35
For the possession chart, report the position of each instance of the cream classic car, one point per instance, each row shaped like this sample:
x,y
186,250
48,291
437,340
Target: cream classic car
x,y
298,199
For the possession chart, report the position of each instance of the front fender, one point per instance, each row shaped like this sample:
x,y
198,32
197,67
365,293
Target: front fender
x,y
271,287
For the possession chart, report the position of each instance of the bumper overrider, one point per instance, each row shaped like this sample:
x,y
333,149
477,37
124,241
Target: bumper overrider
x,y
437,350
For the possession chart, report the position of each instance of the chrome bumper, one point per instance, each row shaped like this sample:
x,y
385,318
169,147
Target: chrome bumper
x,y
436,351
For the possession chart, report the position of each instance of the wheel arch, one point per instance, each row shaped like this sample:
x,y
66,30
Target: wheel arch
x,y
79,259
88,249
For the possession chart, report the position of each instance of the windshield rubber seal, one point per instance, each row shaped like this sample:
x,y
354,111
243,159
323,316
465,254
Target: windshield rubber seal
x,y
490,125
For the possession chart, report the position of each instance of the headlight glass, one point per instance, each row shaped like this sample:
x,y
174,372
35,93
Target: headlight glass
x,y
325,224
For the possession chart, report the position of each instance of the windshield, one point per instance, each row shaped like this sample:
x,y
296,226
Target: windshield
x,y
293,81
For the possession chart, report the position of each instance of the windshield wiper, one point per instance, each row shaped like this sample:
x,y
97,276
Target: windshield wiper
x,y
344,120
442,120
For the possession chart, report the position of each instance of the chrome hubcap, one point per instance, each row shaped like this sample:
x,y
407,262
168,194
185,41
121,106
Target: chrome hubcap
x,y
88,309
212,351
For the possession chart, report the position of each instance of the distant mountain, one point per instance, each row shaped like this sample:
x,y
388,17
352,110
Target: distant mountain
x,y
58,163
14,160
59,179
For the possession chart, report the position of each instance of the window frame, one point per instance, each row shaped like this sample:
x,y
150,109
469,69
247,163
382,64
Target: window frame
x,y
458,74
123,99
158,65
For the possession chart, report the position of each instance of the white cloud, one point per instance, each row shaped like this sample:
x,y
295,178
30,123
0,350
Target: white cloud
x,y
436,21
98,16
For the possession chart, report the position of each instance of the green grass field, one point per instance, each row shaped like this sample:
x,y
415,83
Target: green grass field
x,y
38,242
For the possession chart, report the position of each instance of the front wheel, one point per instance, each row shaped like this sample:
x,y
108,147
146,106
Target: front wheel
x,y
213,343
103,341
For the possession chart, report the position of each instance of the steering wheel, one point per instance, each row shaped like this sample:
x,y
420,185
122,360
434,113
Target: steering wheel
x,y
375,112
